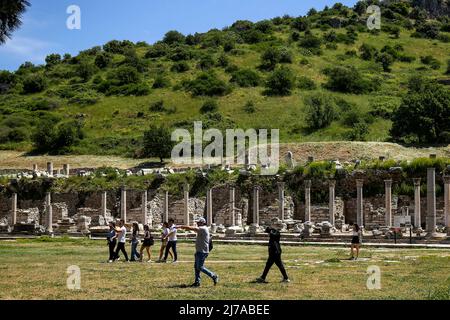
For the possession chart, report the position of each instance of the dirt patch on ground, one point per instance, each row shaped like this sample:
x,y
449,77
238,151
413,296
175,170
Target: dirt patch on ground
x,y
342,151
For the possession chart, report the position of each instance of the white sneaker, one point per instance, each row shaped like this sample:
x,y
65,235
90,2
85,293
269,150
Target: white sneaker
x,y
110,261
149,261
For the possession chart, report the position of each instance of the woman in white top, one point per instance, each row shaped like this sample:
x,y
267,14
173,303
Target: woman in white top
x,y
356,241
165,232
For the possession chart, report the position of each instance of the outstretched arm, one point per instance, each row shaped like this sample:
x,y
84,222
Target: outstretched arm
x,y
195,229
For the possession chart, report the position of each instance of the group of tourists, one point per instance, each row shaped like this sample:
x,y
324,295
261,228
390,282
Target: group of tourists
x,y
203,246
117,239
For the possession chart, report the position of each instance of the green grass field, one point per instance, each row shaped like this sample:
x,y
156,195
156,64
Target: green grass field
x,y
37,269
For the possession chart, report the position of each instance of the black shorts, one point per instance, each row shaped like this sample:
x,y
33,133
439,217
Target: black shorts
x,y
355,240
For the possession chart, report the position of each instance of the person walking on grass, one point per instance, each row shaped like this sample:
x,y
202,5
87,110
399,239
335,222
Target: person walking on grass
x,y
202,248
356,241
147,244
112,241
164,240
121,235
135,242
274,256
172,241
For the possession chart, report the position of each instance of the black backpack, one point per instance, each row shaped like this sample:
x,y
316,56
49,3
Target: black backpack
x,y
210,244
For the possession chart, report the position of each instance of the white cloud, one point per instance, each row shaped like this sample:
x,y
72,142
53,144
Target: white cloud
x,y
27,49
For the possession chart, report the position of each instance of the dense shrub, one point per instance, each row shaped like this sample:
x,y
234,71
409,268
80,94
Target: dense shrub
x,y
85,70
310,41
7,78
124,75
280,82
59,138
117,47
52,59
320,111
34,83
348,80
428,30
246,78
306,83
161,82
173,37
249,107
207,84
209,106
181,53
386,60
157,50
368,52
424,114
157,142
270,58
223,61
179,67
206,62
430,61
103,60
359,131
300,24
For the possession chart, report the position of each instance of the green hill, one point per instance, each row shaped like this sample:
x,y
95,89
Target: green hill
x,y
268,74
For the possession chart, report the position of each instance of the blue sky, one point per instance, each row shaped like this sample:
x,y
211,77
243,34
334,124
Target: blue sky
x,y
44,28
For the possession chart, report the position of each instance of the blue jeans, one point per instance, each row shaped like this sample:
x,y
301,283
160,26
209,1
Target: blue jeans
x,y
200,258
134,253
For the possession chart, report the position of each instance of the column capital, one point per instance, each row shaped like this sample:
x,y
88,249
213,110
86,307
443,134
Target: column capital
x,y
332,183
186,187
281,184
359,183
388,183
417,181
447,179
431,170
308,184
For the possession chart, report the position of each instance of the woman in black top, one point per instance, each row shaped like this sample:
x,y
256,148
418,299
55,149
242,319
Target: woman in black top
x,y
356,241
147,244
274,256
111,240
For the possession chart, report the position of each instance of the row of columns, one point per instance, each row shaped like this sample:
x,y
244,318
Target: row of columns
x,y
431,203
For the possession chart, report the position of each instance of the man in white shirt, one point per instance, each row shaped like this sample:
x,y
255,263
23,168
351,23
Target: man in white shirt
x,y
121,236
172,243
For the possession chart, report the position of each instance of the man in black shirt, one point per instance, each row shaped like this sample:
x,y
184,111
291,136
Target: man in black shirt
x,y
274,256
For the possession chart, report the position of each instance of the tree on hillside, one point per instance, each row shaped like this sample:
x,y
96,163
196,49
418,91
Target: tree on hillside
x,y
157,142
424,114
11,17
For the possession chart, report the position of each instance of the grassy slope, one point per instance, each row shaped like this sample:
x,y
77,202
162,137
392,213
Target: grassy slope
x,y
285,113
37,270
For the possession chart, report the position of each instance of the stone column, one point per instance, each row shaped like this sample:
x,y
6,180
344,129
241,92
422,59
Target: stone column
x,y
35,167
388,199
332,204
186,204
431,201
307,200
144,209
232,206
417,210
209,208
447,203
104,203
166,206
123,204
256,205
14,209
281,199
66,169
49,209
359,202
50,168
